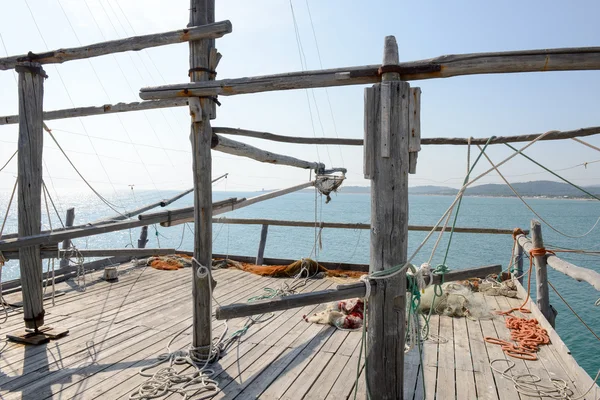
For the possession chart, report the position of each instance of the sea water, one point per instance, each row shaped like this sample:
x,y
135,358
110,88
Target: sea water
x,y
573,217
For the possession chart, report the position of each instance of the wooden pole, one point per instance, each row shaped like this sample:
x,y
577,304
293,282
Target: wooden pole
x,y
31,142
70,220
202,52
541,273
143,237
387,135
518,261
262,244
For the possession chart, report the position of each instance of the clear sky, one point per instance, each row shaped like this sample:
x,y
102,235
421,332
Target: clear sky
x,y
151,149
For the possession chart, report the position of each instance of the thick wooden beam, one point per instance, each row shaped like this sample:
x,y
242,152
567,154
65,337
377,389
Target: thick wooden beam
x,y
567,59
235,148
578,273
342,292
387,128
101,110
126,252
350,225
69,221
203,58
30,146
135,43
143,240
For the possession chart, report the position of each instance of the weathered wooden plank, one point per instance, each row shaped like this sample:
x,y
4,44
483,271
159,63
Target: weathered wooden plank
x,y
226,145
566,59
261,246
286,139
484,379
29,193
135,43
446,381
69,221
414,140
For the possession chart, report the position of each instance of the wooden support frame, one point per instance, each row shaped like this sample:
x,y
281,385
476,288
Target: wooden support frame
x,y
565,59
261,246
541,273
135,43
31,138
69,221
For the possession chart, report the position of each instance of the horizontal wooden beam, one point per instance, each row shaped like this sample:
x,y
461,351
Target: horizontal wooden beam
x,y
566,59
342,292
187,214
287,139
52,238
578,273
101,110
346,225
126,252
235,148
135,43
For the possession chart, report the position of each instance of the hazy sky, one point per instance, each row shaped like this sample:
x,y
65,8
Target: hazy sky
x,y
151,149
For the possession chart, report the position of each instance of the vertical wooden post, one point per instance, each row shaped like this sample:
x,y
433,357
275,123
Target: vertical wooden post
x,y
387,140
262,244
541,273
143,237
518,261
31,139
203,59
69,221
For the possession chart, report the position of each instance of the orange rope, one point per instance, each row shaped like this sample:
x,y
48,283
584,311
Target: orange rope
x,y
528,333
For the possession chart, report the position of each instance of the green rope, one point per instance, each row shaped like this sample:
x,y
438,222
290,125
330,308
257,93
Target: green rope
x,y
554,173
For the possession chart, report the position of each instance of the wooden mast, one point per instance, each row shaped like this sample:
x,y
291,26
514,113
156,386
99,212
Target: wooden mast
x,y
202,52
31,142
387,165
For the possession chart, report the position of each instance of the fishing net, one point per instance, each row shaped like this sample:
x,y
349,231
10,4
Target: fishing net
x,y
170,263
456,300
326,184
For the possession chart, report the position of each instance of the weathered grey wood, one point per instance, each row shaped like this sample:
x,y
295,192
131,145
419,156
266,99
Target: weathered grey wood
x,y
143,240
261,246
31,143
518,261
414,140
567,59
370,125
291,301
389,238
578,273
135,43
350,225
50,238
287,139
129,252
235,148
541,273
69,221
176,220
202,12
101,110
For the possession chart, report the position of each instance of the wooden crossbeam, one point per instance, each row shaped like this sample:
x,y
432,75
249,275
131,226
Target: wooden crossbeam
x,y
209,31
565,59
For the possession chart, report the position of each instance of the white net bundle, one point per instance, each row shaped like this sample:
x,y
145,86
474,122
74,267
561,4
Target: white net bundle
x,y
326,184
457,300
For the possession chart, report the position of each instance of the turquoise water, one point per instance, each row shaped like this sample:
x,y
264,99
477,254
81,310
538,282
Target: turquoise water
x,y
467,250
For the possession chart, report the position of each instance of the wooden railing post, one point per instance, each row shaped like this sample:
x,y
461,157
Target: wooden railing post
x,y
143,237
69,221
31,139
541,273
518,262
387,165
262,244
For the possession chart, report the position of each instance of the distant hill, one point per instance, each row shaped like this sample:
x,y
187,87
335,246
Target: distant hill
x,y
528,189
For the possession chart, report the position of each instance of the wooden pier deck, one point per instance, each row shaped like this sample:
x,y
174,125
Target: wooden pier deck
x,y
117,328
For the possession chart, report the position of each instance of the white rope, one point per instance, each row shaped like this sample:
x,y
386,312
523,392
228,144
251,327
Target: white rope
x,y
495,167
365,280
586,144
533,386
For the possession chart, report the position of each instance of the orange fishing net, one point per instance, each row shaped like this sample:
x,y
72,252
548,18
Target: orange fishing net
x,y
170,263
289,271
